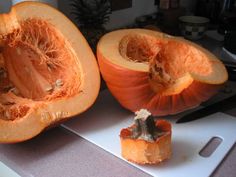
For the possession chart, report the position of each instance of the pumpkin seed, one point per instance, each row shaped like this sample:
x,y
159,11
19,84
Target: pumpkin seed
x,y
7,115
49,89
58,83
15,91
49,68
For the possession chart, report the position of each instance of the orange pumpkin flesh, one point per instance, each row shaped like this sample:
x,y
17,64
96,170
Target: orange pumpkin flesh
x,y
48,71
158,72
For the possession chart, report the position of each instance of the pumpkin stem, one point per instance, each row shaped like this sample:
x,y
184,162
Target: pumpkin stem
x,y
144,126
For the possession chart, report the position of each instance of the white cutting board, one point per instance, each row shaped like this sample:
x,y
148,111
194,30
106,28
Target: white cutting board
x,y
5,171
101,125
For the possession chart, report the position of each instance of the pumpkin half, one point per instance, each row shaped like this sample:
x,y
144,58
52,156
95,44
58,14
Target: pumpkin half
x,y
48,72
158,72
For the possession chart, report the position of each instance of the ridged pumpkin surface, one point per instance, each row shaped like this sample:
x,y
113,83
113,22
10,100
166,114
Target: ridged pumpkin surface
x,y
158,72
48,72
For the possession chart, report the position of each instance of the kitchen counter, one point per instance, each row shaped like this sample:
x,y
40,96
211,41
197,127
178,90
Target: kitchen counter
x,y
60,152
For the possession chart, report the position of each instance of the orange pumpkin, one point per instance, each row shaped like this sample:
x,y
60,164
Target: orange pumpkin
x,y
48,72
161,73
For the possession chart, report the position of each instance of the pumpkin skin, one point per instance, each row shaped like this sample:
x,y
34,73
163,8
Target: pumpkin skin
x,y
50,64
130,83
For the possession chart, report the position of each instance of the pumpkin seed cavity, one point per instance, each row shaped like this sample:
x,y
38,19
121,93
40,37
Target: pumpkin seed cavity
x,y
36,65
168,59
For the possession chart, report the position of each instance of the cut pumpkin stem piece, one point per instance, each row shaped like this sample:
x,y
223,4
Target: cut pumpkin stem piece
x,y
144,126
147,141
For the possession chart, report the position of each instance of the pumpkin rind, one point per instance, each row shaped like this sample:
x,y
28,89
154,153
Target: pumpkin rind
x,y
46,112
129,81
